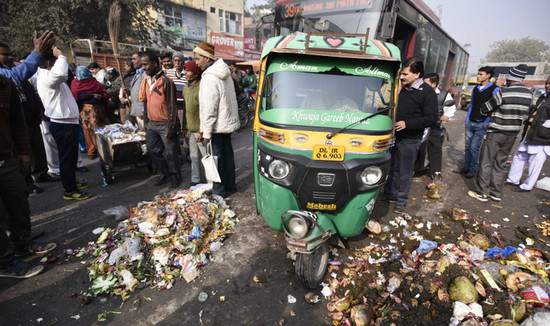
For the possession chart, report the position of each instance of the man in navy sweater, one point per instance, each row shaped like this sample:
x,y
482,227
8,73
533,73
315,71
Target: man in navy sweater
x,y
416,110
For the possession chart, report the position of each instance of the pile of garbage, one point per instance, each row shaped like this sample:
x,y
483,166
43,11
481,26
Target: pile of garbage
x,y
465,277
118,133
162,240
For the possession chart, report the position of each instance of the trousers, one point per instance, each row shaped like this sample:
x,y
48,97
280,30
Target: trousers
x,y
223,149
14,210
399,182
492,163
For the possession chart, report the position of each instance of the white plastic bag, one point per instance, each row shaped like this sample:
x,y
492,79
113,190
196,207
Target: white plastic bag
x,y
210,163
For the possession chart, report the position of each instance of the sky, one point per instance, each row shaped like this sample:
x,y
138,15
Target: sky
x,y
480,23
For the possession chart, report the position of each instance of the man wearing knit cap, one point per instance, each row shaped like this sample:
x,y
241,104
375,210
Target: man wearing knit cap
x,y
191,121
508,108
219,115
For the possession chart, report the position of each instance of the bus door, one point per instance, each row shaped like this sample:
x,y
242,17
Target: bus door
x,y
449,70
403,38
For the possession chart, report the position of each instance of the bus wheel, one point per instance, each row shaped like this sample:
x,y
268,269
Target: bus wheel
x,y
311,268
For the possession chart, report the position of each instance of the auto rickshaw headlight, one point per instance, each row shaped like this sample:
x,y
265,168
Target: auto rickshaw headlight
x,y
371,175
298,226
279,169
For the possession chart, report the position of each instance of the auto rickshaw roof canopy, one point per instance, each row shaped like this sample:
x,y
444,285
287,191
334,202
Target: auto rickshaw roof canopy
x,y
333,45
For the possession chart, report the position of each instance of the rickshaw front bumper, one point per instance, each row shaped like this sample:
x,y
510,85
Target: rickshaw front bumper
x,y
303,231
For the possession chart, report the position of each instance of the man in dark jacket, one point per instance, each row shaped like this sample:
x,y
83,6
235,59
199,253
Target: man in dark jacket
x,y
416,110
15,211
535,145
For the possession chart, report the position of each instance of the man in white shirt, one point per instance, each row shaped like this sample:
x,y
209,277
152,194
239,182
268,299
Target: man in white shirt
x,y
447,108
60,106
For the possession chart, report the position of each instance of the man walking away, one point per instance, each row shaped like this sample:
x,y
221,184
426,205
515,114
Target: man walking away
x,y
15,210
446,111
476,122
62,110
416,110
161,120
219,116
535,145
507,107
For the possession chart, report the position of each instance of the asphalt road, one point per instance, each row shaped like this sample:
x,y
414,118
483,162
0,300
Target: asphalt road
x,y
253,253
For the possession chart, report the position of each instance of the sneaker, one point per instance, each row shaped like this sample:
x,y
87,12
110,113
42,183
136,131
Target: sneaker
x,y
76,195
37,248
495,198
399,209
82,185
20,269
470,174
477,196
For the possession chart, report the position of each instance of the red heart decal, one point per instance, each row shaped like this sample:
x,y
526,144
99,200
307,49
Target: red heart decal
x,y
334,41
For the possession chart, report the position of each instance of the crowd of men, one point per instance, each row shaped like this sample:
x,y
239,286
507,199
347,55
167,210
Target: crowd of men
x,y
49,110
496,116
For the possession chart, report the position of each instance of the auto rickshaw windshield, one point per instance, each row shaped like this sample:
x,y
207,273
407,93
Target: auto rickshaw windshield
x,y
332,90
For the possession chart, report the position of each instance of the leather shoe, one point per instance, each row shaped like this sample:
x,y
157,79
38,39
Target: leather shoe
x,y
46,177
82,169
162,179
175,181
518,189
470,174
461,171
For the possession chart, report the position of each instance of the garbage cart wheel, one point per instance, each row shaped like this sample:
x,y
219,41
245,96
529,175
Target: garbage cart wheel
x,y
311,268
107,172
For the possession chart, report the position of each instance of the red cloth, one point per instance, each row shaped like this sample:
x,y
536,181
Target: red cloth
x,y
89,85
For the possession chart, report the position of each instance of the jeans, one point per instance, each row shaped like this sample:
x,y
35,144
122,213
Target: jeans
x,y
399,181
66,138
473,137
196,151
492,163
163,150
15,213
223,149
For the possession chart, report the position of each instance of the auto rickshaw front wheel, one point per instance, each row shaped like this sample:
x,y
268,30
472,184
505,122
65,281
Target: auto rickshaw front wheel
x,y
311,268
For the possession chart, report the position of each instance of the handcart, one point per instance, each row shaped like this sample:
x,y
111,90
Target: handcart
x,y
113,155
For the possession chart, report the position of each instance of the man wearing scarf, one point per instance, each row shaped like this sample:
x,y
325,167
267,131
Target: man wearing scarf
x,y
92,100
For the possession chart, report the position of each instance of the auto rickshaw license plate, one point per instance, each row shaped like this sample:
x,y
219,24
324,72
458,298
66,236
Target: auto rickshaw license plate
x,y
328,153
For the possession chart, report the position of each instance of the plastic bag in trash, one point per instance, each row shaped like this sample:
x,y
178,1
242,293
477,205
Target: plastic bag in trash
x,y
426,246
491,253
540,318
120,212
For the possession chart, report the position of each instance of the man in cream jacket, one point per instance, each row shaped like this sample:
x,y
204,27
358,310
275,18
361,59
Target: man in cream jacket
x,y
219,116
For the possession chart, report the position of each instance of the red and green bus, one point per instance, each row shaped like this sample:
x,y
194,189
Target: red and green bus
x,y
409,24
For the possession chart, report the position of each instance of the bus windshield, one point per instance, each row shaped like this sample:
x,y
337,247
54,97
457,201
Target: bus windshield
x,y
332,16
329,91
